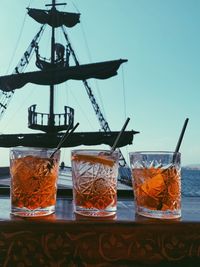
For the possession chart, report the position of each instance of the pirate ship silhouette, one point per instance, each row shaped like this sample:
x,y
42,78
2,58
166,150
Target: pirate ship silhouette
x,y
55,71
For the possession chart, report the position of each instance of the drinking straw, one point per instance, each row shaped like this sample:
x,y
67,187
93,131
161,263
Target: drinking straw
x,y
65,136
119,135
180,139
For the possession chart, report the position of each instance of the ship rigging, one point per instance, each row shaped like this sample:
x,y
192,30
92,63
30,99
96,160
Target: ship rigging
x,y
56,71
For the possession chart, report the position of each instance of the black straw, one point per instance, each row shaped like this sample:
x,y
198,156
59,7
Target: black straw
x,y
65,136
180,139
119,135
181,136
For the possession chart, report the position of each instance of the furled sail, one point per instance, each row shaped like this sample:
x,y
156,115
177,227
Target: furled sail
x,y
76,139
101,70
54,17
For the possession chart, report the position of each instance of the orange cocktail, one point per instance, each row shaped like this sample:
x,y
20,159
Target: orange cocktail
x,y
33,181
94,175
157,184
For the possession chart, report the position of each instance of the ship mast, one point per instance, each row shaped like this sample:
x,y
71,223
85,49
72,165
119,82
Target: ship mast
x,y
51,104
51,121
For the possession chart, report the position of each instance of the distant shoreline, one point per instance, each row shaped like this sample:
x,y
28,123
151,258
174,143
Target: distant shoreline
x,y
192,167
6,171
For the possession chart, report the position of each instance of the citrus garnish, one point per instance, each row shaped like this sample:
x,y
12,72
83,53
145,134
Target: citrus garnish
x,y
94,159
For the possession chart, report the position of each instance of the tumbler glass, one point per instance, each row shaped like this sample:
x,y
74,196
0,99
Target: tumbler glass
x,y
156,177
94,176
33,181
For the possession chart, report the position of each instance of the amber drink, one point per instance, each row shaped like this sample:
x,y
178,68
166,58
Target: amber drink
x,y
33,181
156,178
94,176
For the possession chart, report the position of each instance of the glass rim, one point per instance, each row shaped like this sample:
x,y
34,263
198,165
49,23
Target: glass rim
x,y
94,150
155,152
29,148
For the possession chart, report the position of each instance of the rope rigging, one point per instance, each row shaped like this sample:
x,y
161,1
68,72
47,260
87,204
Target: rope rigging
x,y
103,123
90,58
5,97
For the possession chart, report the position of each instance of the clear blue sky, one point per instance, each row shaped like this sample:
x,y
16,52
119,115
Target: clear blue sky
x,y
157,88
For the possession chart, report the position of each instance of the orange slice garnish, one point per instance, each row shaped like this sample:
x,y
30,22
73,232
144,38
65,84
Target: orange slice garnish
x,y
94,159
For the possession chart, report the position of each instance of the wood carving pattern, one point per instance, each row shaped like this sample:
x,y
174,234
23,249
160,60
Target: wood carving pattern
x,y
98,246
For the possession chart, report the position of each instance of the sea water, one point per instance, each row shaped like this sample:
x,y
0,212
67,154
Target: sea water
x,y
190,180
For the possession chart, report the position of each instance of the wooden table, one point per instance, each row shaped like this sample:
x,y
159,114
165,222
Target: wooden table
x,y
63,239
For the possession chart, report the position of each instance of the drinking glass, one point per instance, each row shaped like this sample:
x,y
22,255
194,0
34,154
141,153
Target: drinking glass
x,y
156,178
94,177
33,181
